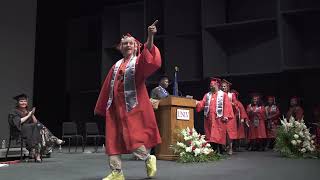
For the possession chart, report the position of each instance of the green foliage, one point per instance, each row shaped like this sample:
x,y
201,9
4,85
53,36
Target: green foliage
x,y
283,143
191,147
190,158
294,140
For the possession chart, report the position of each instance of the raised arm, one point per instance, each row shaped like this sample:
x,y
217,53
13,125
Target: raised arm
x,y
150,59
152,30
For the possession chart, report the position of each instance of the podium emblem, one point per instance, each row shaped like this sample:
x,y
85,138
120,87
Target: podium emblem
x,y
183,114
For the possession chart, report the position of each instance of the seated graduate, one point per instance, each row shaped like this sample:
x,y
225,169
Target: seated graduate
x,y
39,140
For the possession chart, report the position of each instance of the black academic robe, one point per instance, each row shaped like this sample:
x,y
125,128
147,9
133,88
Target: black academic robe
x,y
30,131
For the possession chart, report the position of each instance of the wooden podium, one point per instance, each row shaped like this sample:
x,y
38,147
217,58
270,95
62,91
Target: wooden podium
x,y
172,114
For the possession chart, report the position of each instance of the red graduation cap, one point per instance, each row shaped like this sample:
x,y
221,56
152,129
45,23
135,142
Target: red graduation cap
x,y
227,82
214,81
138,44
295,97
235,92
272,97
255,94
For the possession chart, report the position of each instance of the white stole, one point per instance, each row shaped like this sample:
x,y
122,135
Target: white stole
x,y
130,91
207,104
230,96
271,109
219,107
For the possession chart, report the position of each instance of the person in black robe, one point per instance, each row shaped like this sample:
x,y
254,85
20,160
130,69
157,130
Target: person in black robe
x,y
39,140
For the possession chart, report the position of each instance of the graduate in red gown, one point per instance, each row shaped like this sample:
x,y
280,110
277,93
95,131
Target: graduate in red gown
x,y
316,124
131,125
317,133
295,109
273,115
236,121
218,114
244,119
257,130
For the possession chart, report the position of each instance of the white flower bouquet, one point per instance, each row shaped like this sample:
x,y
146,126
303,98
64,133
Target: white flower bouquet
x,y
294,139
192,147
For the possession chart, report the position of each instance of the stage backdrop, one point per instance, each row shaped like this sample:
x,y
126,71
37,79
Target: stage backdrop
x,y
17,47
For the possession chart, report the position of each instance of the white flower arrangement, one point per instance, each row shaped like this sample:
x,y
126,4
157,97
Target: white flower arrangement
x,y
193,147
294,142
294,139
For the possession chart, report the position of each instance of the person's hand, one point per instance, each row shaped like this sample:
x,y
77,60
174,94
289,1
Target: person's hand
x,y
33,110
242,120
197,102
152,29
247,123
30,113
95,113
224,119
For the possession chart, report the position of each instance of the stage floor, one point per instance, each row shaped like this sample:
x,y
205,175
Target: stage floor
x,y
92,166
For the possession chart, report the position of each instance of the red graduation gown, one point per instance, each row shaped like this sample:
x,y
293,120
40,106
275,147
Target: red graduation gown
x,y
244,116
126,131
318,137
275,115
215,129
236,120
258,132
296,112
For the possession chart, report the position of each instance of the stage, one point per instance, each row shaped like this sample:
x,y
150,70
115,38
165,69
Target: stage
x,y
92,166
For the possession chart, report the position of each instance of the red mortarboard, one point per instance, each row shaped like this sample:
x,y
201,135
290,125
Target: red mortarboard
x,y
272,97
295,97
215,81
138,43
235,92
227,82
255,94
